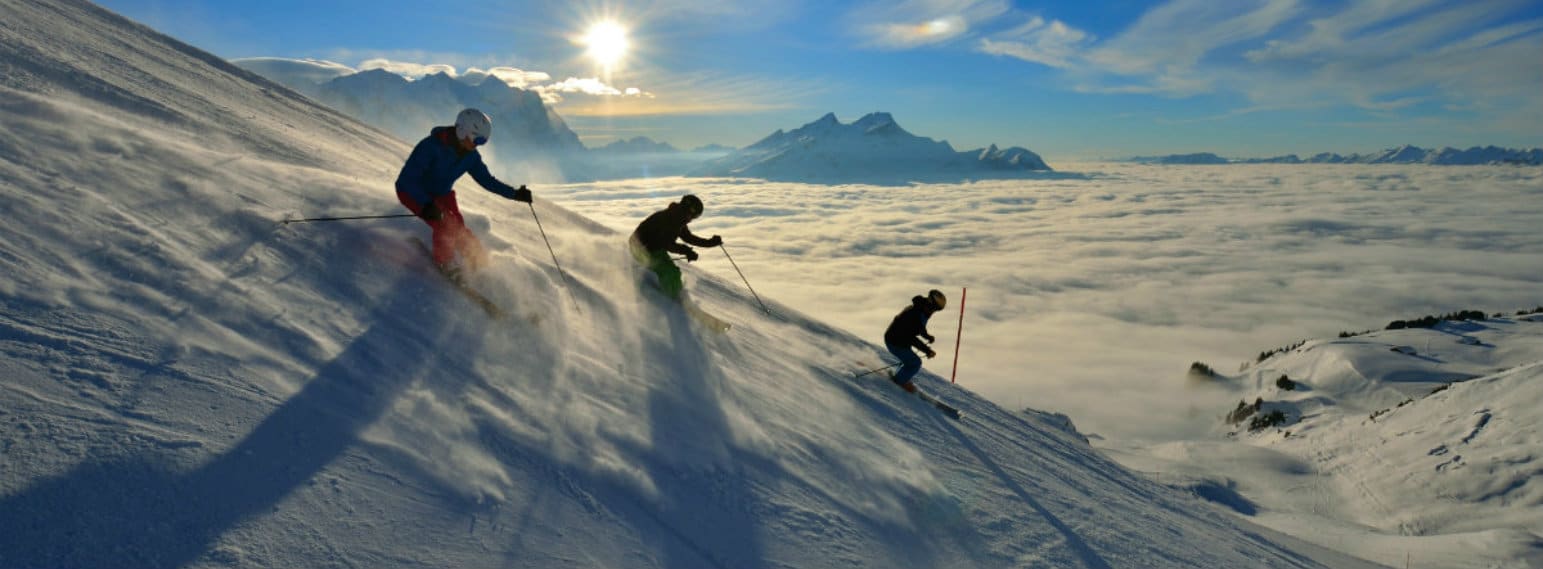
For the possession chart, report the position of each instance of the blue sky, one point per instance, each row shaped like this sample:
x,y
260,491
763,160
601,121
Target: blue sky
x,y
1070,80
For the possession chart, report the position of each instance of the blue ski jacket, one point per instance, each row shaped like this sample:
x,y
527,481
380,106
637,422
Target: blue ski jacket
x,y
436,163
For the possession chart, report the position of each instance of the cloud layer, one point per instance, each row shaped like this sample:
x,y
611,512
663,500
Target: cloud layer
x,y
1092,297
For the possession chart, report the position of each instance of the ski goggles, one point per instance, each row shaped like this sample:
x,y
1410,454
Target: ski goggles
x,y
479,141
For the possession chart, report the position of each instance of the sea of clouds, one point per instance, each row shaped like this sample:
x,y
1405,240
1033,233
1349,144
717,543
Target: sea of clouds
x,y
1092,297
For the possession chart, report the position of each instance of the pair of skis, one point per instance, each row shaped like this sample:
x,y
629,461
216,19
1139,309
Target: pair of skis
x,y
476,297
948,410
702,317
691,308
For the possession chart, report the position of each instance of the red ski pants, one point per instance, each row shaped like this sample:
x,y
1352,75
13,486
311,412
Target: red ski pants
x,y
450,233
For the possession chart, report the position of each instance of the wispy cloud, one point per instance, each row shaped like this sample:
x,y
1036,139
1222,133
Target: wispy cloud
x,y
1051,43
513,76
517,78
667,93
745,14
700,94
1386,56
1377,55
916,23
408,69
553,93
1173,38
311,70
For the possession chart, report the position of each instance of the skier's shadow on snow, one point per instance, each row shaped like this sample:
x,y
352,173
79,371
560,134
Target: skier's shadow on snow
x,y
1080,548
699,529
143,511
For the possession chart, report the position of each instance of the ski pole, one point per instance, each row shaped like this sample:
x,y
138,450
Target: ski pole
x,y
876,370
288,221
747,281
554,256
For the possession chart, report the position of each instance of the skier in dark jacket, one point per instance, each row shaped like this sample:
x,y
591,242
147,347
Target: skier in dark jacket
x,y
426,186
907,331
654,240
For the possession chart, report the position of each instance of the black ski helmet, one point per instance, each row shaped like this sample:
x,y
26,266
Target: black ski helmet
x,y
937,298
692,204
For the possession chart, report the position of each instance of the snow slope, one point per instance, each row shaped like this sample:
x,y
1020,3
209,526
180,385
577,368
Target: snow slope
x,y
1411,445
191,383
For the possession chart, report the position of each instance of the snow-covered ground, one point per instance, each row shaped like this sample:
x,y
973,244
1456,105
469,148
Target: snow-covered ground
x,y
1416,444
189,382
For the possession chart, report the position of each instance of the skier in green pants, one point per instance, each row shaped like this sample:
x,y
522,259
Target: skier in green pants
x,y
655,238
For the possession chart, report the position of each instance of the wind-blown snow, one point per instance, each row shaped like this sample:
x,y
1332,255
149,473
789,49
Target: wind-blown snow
x,y
191,383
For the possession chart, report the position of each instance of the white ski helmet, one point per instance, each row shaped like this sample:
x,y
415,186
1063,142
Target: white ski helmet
x,y
473,125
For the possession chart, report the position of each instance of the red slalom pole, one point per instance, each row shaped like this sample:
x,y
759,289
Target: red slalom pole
x,y
958,336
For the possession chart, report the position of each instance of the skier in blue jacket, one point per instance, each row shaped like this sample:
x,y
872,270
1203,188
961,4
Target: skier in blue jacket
x,y
426,186
907,331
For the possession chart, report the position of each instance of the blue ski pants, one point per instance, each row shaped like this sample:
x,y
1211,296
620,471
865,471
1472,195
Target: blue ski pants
x,y
910,363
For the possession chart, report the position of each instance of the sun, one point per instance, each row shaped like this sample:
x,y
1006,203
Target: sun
x,y
607,43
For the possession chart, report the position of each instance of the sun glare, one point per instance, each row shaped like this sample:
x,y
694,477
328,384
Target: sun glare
x,y
607,43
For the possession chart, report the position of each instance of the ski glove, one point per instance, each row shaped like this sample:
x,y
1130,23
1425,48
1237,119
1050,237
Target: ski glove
x,y
430,212
691,255
521,194
931,354
714,241
928,338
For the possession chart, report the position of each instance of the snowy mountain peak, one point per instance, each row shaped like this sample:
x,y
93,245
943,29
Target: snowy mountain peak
x,y
529,139
638,145
441,77
877,123
494,87
873,149
370,79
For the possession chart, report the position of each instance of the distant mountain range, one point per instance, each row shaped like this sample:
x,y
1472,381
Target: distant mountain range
x,y
638,145
873,149
1406,154
531,142
643,157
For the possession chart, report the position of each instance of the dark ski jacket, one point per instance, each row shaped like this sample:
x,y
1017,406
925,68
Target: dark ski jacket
x,y
659,231
910,325
436,163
